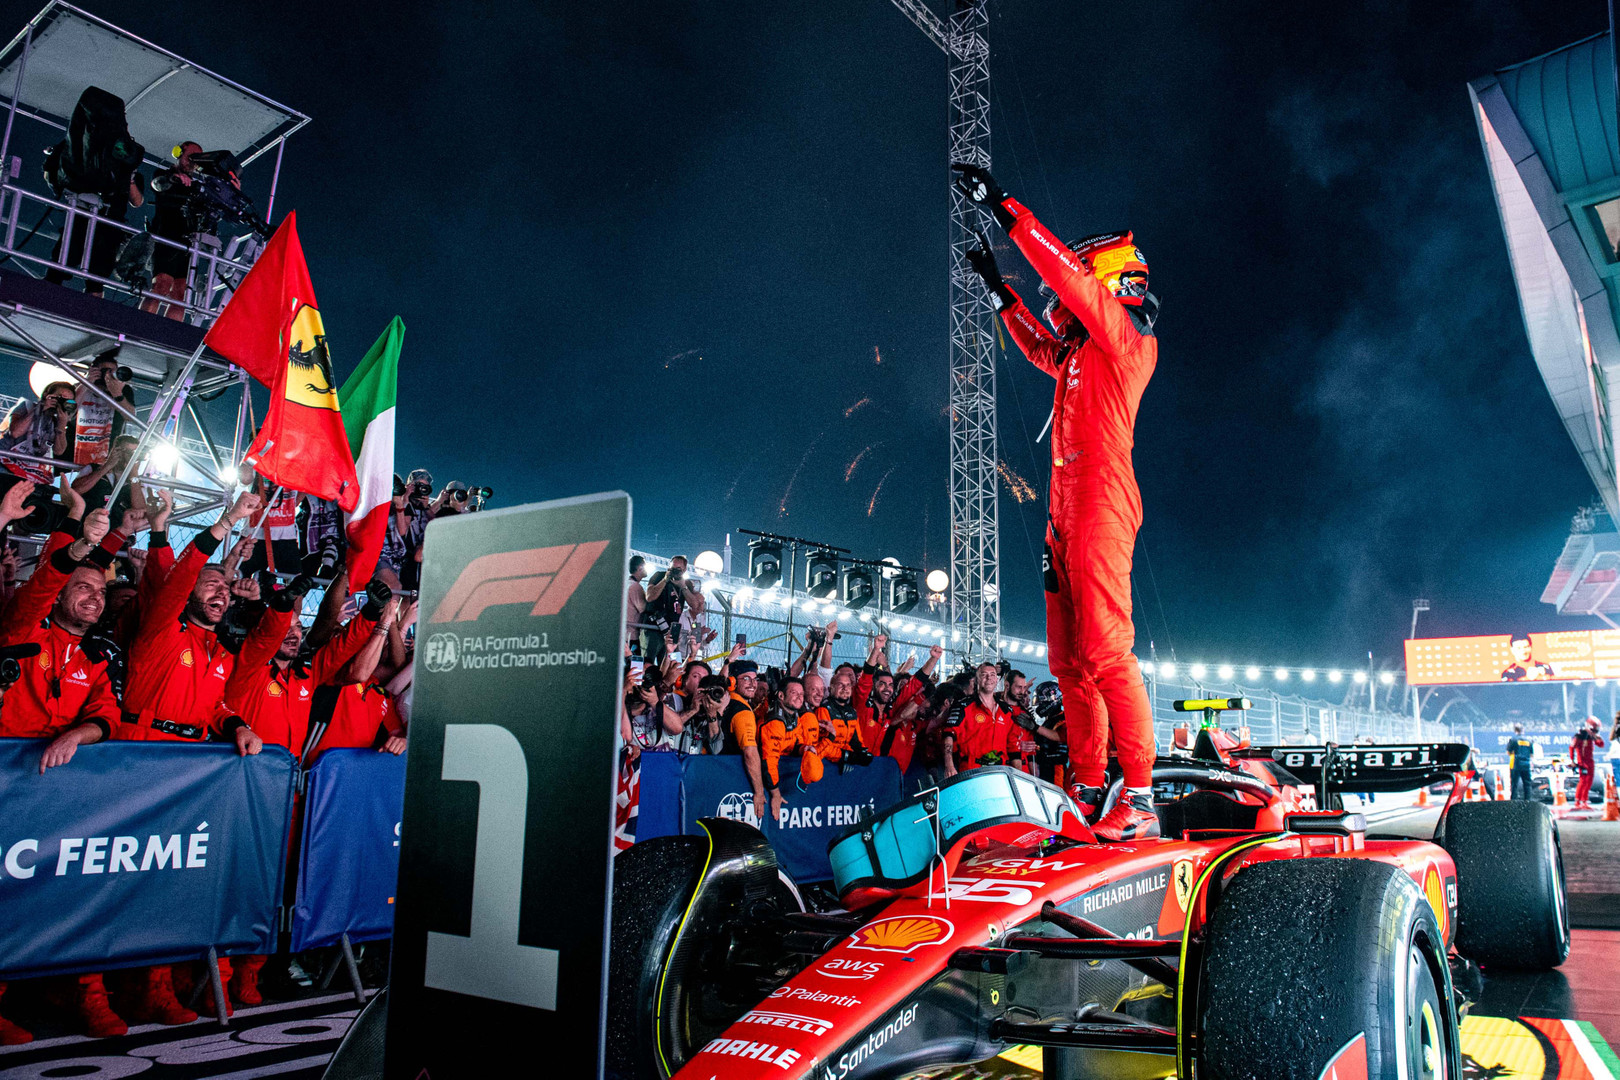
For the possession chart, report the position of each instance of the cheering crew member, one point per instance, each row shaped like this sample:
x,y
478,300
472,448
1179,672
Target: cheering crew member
x,y
983,732
364,711
64,694
789,729
1582,754
177,667
838,723
271,687
739,728
1102,352
874,696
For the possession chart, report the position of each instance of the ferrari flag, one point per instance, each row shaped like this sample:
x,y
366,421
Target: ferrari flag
x,y
272,329
367,397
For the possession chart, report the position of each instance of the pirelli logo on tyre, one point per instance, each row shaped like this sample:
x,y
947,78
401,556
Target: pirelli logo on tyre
x,y
544,577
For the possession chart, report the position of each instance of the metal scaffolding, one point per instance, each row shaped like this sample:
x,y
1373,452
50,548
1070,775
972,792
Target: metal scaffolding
x,y
167,98
975,522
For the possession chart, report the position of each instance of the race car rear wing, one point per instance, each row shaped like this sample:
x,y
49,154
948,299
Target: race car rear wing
x,y
1394,767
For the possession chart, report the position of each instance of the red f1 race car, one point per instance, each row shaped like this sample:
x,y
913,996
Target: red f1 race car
x,y
1264,935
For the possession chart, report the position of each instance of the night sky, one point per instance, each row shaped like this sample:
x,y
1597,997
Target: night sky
x,y
698,252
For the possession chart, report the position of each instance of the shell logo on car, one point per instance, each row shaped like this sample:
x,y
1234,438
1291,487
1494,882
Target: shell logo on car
x,y
902,933
1435,892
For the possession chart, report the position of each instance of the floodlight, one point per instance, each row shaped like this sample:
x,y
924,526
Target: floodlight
x,y
1225,671
709,562
821,578
1251,673
858,591
764,563
937,581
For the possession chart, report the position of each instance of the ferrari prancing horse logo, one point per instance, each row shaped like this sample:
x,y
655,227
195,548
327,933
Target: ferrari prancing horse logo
x,y
309,363
1182,879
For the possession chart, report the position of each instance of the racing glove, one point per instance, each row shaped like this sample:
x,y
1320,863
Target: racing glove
x,y
377,594
981,188
983,262
289,598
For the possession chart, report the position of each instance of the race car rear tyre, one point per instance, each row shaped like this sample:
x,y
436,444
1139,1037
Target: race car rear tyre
x,y
1511,907
1313,965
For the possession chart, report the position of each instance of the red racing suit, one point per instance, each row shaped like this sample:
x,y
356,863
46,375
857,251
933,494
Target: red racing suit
x,y
275,701
1095,509
985,732
1582,756
178,670
62,687
877,727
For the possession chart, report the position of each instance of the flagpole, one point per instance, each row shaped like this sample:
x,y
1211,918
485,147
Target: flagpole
x,y
167,406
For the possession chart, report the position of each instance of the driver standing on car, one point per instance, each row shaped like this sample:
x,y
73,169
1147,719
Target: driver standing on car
x,y
1101,350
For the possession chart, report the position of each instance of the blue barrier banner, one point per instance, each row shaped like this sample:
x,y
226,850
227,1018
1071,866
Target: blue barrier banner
x,y
718,787
139,853
349,861
659,812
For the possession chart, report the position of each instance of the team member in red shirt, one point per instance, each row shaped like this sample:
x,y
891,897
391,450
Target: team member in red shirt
x,y
362,707
1102,352
64,695
272,693
177,675
984,733
177,667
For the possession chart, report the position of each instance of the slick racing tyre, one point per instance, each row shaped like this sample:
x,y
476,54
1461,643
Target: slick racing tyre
x,y
1313,966
689,943
1511,908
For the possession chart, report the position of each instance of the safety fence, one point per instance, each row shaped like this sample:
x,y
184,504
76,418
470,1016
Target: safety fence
x,y
140,853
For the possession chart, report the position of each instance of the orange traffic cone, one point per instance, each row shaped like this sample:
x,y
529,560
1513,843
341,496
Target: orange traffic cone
x,y
1611,807
1559,798
1423,796
1501,791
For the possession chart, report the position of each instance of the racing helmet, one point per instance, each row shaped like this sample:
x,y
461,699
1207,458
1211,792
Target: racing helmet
x,y
1117,262
1048,700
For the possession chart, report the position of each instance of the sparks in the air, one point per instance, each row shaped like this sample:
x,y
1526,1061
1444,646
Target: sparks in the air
x,y
849,470
851,410
872,504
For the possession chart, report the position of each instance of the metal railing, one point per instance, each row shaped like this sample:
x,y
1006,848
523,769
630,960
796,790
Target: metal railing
x,y
213,268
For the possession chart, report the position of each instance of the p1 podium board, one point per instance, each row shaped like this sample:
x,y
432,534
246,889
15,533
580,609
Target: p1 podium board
x,y
506,845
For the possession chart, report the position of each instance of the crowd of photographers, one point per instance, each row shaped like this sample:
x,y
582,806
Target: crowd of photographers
x,y
106,638
680,698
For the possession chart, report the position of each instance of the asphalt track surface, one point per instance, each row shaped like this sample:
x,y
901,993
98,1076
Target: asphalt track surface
x,y
1567,1014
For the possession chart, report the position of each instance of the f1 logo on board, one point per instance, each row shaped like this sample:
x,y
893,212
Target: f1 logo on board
x,y
544,577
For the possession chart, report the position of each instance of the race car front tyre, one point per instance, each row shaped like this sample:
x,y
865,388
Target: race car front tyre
x,y
1313,966
652,884
1511,906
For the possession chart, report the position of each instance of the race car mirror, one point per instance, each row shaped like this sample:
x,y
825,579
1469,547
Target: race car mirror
x,y
506,847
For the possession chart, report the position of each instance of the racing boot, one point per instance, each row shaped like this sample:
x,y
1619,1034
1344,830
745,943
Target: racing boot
x,y
1132,818
244,986
157,1004
1088,799
95,1014
12,1034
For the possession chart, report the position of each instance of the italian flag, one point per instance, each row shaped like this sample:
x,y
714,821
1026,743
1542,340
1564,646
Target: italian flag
x,y
367,400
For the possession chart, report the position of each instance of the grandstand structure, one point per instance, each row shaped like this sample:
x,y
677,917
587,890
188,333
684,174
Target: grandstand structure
x,y
200,413
1552,145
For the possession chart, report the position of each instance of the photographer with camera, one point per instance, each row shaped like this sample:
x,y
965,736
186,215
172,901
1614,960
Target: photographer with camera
x,y
981,732
97,423
818,649
413,508
39,430
668,594
192,197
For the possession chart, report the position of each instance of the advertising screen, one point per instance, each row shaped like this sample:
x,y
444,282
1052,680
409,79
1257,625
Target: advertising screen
x,y
1558,656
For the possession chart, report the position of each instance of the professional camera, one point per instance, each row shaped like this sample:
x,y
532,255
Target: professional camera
x,y
214,196
421,489
10,668
399,486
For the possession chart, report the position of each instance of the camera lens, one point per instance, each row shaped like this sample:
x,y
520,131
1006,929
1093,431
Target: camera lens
x,y
10,671
124,374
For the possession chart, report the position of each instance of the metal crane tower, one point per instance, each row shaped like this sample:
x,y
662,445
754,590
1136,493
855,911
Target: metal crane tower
x,y
975,524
